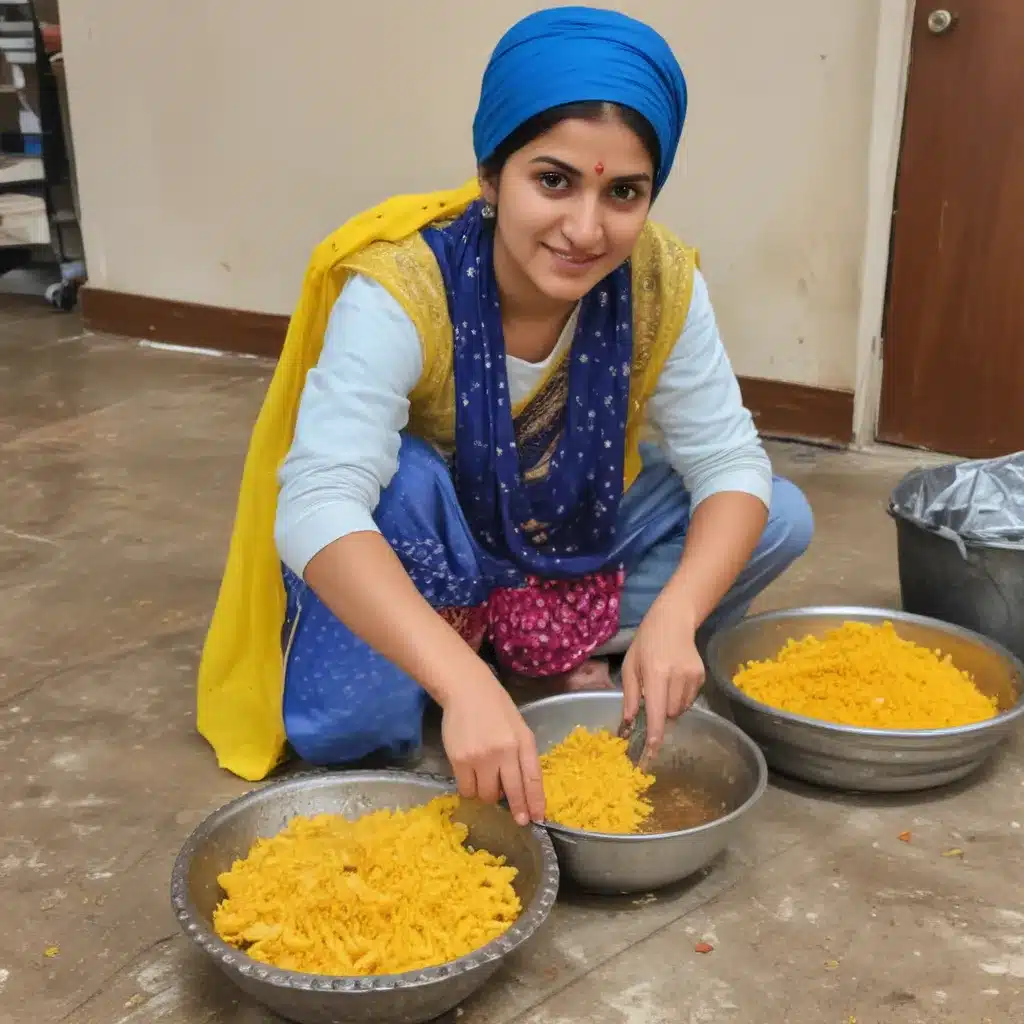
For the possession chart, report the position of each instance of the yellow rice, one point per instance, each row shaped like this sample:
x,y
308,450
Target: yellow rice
x,y
590,784
388,893
867,676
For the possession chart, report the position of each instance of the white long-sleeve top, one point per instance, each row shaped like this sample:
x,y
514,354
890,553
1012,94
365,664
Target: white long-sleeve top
x,y
355,404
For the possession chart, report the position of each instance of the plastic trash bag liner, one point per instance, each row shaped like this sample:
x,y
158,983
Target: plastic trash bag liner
x,y
974,502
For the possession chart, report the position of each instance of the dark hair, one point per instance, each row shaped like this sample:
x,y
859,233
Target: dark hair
x,y
588,110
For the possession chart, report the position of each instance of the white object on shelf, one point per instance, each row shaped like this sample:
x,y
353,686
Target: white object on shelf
x,y
23,220
19,56
28,122
14,169
18,50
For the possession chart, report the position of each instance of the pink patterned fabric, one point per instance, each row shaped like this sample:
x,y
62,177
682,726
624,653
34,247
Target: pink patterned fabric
x,y
548,627
469,623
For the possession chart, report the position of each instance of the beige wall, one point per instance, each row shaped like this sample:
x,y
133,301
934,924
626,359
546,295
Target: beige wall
x,y
219,140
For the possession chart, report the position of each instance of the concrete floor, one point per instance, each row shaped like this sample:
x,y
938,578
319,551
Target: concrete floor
x,y
120,465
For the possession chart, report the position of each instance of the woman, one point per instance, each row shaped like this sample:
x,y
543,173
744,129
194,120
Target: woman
x,y
464,464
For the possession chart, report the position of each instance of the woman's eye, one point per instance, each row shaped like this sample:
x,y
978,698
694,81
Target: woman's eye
x,y
554,180
625,193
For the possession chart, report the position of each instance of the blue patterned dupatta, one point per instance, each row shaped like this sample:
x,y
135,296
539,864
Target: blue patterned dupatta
x,y
542,492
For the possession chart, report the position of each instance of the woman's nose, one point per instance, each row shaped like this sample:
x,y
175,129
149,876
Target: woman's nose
x,y
583,228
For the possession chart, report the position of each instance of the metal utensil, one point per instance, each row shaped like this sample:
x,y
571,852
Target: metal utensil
x,y
635,733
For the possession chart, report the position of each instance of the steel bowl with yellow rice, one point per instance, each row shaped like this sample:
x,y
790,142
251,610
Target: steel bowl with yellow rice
x,y
884,712
705,760
268,837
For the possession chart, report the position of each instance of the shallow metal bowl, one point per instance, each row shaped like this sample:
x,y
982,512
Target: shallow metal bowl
x,y
852,758
411,998
700,747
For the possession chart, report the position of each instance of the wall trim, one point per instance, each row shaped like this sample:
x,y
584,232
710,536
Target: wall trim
x,y
183,323
799,412
780,409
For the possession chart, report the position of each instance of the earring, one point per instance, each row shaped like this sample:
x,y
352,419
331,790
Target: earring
x,y
488,212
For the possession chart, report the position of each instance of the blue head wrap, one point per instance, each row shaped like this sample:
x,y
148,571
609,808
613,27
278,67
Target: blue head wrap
x,y
574,54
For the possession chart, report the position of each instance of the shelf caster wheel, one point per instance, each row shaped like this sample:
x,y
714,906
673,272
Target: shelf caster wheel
x,y
63,296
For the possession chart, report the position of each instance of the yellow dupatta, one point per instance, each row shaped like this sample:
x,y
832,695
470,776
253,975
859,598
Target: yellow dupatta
x,y
241,674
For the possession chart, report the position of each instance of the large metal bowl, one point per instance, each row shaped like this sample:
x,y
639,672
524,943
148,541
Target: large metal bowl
x,y
700,746
410,998
858,759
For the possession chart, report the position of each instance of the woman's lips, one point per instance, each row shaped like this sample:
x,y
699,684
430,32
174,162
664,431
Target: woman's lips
x,y
571,261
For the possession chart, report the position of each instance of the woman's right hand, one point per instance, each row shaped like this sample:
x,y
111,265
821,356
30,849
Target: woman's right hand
x,y
491,749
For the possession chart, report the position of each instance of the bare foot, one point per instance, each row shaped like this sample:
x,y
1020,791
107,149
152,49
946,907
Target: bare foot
x,y
593,674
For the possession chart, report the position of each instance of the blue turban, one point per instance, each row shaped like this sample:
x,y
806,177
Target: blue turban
x,y
574,54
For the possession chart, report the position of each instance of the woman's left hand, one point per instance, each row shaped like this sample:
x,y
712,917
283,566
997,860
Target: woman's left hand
x,y
662,665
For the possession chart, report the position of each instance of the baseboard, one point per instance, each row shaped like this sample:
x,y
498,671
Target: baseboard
x,y
183,323
798,411
780,409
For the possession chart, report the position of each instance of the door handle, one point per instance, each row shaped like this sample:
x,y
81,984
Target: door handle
x,y
941,21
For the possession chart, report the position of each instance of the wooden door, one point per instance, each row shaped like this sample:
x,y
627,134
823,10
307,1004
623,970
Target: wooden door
x,y
953,354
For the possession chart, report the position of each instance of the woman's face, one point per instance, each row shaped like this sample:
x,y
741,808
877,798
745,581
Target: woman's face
x,y
571,205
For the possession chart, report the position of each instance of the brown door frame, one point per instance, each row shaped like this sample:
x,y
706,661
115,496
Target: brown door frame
x,y
892,72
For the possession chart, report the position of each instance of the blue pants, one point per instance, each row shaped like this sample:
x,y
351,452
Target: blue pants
x,y
343,700
786,537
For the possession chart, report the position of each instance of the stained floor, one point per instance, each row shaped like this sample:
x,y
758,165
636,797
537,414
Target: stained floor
x,y
120,465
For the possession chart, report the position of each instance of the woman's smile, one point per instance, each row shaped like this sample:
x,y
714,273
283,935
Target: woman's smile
x,y
568,262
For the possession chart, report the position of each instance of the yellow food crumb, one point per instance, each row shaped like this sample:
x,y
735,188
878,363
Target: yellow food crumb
x,y
590,784
391,892
51,951
868,676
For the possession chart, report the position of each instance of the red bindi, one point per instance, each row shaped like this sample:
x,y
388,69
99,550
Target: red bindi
x,y
599,168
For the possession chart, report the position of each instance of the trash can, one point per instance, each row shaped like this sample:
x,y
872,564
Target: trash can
x,y
960,538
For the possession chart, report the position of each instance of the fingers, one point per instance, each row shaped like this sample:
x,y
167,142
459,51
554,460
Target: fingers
x,y
533,783
465,779
493,752
667,680
655,686
680,695
684,688
488,780
521,780
694,688
630,687
514,773
515,792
